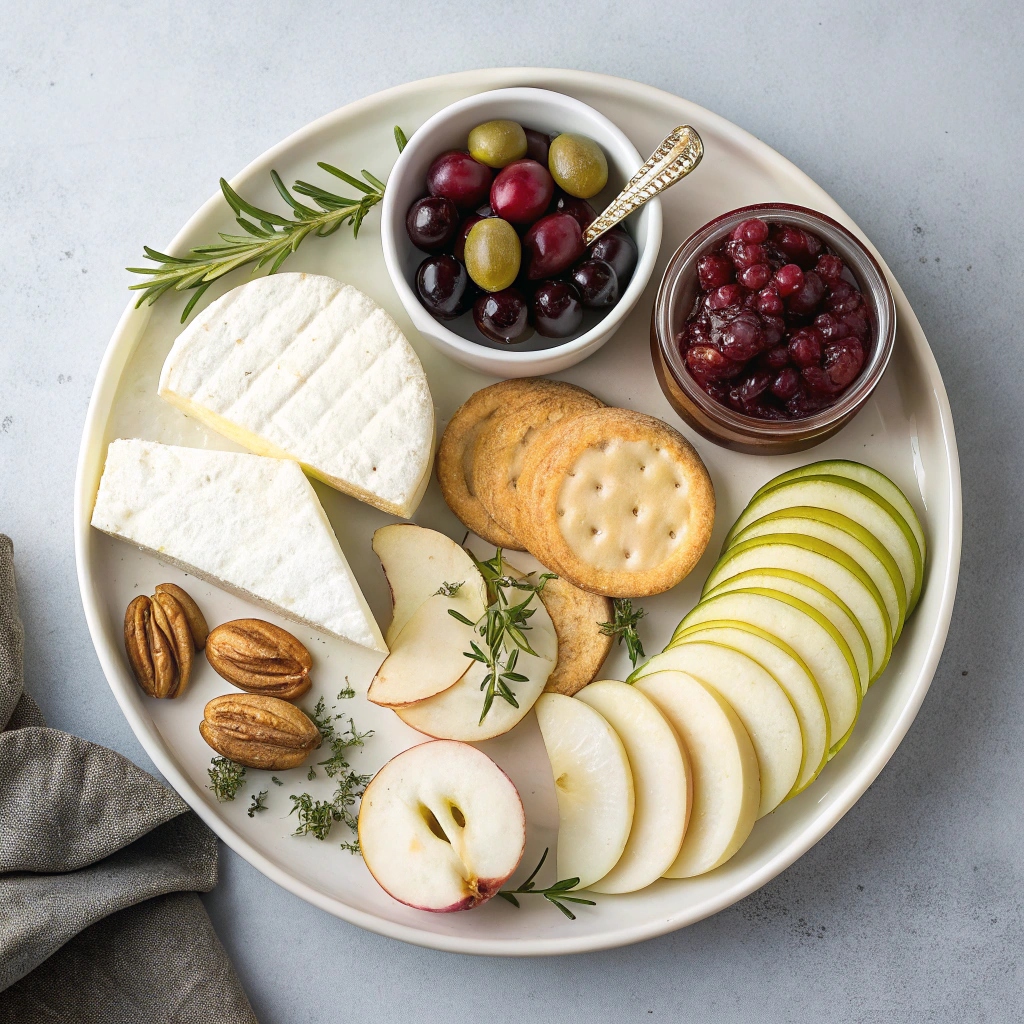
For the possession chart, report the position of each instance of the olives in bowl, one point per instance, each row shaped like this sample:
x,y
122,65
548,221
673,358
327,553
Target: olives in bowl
x,y
519,333
506,217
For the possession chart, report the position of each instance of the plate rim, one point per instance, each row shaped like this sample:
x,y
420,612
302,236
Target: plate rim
x,y
133,322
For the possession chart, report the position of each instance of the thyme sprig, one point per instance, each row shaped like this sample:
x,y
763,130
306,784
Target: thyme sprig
x,y
259,803
226,778
623,627
269,238
503,628
556,893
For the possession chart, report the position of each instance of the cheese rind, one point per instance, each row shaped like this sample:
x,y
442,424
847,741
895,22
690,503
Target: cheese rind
x,y
301,366
245,523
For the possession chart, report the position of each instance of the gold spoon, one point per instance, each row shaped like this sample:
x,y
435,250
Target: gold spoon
x,y
673,160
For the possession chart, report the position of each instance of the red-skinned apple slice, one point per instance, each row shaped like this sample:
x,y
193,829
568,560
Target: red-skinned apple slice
x,y
441,827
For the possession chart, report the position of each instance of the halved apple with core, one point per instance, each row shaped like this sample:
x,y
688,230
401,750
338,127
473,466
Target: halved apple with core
x,y
818,597
726,784
661,784
441,827
593,786
792,675
760,704
861,545
417,562
808,632
830,567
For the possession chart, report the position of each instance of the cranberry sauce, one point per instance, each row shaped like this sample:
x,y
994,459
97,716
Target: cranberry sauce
x,y
779,329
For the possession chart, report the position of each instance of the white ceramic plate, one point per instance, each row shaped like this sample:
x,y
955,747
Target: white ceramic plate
x,y
906,431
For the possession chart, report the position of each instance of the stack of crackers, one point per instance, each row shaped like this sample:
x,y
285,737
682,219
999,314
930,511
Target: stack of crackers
x,y
616,502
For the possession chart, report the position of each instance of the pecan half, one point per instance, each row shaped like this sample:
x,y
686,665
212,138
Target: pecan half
x,y
150,650
258,731
195,618
260,657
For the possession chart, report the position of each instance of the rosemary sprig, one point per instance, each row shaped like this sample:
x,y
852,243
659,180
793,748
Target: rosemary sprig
x,y
555,893
503,628
226,778
624,627
269,237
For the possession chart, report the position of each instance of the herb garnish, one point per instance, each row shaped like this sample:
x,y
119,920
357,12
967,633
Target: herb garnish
x,y
448,589
503,629
269,237
226,778
317,817
259,803
624,627
556,893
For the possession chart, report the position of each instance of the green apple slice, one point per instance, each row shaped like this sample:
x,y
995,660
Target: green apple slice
x,y
843,533
829,568
726,786
854,500
661,784
878,482
808,632
759,701
791,673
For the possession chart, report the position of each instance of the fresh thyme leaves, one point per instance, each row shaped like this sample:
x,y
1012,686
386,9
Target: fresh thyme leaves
x,y
226,778
269,237
624,627
276,781
556,894
317,817
347,692
352,847
449,589
259,803
503,628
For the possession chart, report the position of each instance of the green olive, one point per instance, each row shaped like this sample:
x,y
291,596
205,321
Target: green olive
x,y
578,165
493,254
497,143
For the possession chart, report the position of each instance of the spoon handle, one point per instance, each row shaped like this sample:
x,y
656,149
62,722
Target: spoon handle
x,y
677,155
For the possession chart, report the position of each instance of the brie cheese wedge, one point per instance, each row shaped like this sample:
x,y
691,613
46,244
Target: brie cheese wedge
x,y
303,367
248,524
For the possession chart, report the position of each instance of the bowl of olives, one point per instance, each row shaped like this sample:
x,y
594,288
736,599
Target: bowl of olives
x,y
483,223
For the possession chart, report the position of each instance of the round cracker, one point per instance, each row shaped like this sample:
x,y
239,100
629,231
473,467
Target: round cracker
x,y
617,502
582,647
455,455
504,439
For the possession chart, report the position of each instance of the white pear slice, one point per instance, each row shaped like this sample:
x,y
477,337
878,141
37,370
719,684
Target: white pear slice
x,y
848,536
723,765
429,655
792,675
661,784
878,482
593,786
854,500
455,713
441,827
759,701
417,562
817,596
809,633
833,569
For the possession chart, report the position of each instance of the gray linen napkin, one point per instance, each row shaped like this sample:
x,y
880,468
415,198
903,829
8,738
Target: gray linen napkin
x,y
100,870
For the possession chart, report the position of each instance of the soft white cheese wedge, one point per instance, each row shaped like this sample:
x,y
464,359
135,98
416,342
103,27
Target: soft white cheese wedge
x,y
303,367
248,524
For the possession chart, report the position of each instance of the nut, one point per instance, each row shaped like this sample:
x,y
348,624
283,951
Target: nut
x,y
159,635
258,731
160,658
260,657
195,618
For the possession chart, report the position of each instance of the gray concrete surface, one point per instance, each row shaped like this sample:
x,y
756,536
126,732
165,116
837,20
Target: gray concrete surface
x,y
117,120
